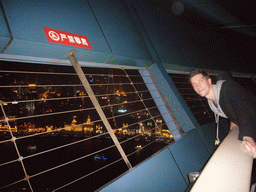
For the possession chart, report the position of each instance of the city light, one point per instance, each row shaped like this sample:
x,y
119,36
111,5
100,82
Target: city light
x,y
122,110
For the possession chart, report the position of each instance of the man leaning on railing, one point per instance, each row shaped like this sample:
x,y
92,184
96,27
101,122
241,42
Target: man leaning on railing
x,y
229,100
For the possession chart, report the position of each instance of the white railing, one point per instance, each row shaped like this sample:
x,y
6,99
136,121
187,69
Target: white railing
x,y
228,170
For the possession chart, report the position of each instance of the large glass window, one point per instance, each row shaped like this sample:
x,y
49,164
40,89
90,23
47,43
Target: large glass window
x,y
52,137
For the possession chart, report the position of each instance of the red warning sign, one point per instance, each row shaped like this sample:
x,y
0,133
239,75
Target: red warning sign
x,y
65,38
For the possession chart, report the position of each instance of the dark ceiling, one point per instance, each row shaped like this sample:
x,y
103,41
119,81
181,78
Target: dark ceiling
x,y
232,21
212,13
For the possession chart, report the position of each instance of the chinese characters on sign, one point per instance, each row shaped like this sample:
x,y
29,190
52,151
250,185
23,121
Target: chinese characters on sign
x,y
65,38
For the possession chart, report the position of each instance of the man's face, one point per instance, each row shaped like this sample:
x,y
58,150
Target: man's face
x,y
201,84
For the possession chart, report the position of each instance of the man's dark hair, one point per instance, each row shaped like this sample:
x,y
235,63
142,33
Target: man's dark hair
x,y
196,72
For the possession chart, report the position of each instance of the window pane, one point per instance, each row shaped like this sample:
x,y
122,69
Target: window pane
x,y
49,123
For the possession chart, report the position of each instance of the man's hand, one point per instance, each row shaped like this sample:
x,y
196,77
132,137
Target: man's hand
x,y
250,145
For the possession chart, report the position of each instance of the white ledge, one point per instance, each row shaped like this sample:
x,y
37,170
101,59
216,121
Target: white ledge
x,y
228,170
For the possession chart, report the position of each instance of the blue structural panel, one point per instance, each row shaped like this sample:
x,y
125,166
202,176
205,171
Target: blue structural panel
x,y
190,153
159,173
124,38
166,171
27,20
107,25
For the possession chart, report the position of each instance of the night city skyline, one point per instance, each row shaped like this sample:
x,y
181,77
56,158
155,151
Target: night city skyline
x,y
51,111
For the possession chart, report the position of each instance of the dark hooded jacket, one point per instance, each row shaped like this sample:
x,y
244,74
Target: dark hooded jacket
x,y
239,105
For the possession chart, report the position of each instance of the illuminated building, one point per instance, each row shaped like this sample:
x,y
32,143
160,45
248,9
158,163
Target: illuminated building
x,y
141,130
49,128
159,127
88,125
5,128
166,133
125,128
32,129
121,96
73,127
35,130
99,129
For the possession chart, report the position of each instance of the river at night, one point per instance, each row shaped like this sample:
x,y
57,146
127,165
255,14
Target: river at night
x,y
82,154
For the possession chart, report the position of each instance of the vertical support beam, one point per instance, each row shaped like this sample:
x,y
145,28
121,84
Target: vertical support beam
x,y
96,104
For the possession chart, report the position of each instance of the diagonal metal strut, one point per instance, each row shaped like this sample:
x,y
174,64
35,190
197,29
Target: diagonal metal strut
x,y
96,104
